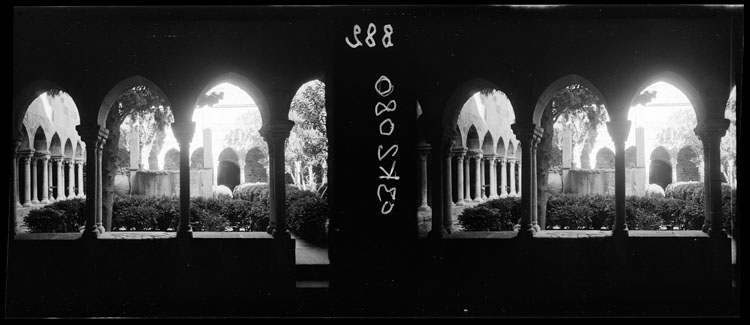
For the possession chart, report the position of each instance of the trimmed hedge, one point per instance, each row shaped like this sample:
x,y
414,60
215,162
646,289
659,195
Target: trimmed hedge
x,y
307,214
568,211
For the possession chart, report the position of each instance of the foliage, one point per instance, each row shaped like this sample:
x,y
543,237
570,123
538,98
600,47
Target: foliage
x,y
500,214
307,217
654,190
307,146
60,216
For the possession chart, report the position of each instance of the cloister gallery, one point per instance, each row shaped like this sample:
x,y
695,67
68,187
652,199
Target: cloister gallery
x,y
428,108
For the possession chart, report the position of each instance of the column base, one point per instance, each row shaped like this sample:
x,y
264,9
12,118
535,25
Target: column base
x,y
100,229
185,234
620,232
424,207
281,234
467,201
494,197
536,228
34,201
19,205
460,203
477,200
90,234
524,232
504,195
27,204
45,201
70,197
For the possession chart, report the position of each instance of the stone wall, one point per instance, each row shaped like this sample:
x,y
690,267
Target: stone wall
x,y
159,183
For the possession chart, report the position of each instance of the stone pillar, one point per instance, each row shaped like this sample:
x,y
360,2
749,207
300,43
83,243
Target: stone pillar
x,y
493,178
447,186
503,178
183,132
460,154
619,131
440,208
71,179
51,181
467,180
26,158
34,180
94,137
45,179
482,180
512,177
478,180
710,132
518,165
529,135
424,151
242,171
275,133
99,188
640,164
79,166
60,178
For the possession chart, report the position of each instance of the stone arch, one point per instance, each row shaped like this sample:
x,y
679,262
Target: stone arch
x,y
472,139
487,145
68,152
680,83
605,159
55,146
196,159
660,169
79,150
687,169
559,84
229,168
121,87
255,172
500,152
459,139
229,154
40,139
511,153
457,99
25,97
518,151
246,85
172,159
631,157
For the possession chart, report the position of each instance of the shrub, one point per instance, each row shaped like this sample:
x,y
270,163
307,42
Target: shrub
x,y
207,221
60,216
499,214
307,216
654,190
221,191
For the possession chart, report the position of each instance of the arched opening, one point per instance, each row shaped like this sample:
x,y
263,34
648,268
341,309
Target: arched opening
x,y
502,187
55,168
40,148
687,169
472,143
605,159
68,178
306,152
229,169
510,170
255,166
172,160
660,169
488,152
457,150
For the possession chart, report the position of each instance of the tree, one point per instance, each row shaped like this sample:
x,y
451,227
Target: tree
x,y
307,146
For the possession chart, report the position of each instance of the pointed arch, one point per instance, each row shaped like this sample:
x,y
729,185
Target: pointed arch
x,y
40,139
511,153
172,159
79,150
472,139
500,152
488,145
680,83
243,83
457,99
28,94
68,152
55,146
229,154
559,84
114,93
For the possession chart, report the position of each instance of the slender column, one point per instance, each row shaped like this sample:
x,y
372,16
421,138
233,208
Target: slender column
x,y
60,179
529,135
483,181
71,179
423,153
467,180
460,154
447,188
478,180
618,131
275,133
50,181
503,178
16,196
34,181
183,132
518,165
710,133
538,224
99,187
26,180
94,137
493,178
45,179
512,176
79,166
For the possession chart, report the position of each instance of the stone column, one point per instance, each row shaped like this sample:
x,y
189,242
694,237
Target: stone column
x,y
424,151
640,165
512,176
241,163
460,154
34,180
483,180
503,178
94,137
51,181
60,178
493,178
100,223
183,132
79,166
26,158
45,179
478,180
447,186
467,180
529,135
618,131
275,133
71,179
710,132
519,166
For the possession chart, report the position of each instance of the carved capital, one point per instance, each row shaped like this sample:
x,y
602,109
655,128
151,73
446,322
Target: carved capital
x,y
424,151
712,130
460,153
276,131
527,133
183,131
619,130
93,135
